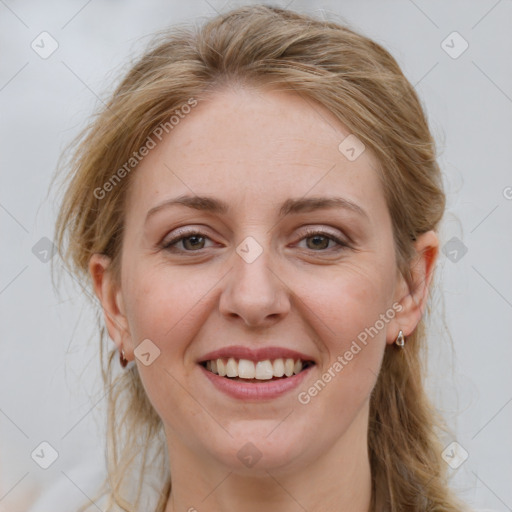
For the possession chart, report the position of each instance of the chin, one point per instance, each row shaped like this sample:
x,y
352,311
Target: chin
x,y
258,452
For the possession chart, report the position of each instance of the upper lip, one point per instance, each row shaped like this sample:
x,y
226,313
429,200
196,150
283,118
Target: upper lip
x,y
254,354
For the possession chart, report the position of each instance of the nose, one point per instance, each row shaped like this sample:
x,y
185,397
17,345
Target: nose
x,y
254,293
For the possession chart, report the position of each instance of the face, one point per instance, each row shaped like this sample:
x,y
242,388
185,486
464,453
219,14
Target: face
x,y
289,256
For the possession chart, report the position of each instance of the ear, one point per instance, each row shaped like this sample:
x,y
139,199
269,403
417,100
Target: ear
x,y
413,298
111,299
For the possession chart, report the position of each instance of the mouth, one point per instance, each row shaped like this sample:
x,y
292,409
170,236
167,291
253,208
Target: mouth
x,y
245,370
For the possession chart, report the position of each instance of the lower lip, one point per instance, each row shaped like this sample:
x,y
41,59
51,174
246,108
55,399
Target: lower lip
x,y
263,390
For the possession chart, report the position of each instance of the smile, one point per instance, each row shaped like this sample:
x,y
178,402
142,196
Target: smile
x,y
256,389
256,371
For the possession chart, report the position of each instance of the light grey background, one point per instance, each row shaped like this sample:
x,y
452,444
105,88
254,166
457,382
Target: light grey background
x,y
49,372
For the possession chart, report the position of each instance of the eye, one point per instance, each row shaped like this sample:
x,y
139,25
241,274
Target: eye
x,y
319,240
191,241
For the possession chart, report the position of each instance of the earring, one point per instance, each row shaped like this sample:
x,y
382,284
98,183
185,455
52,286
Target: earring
x,y
122,359
400,339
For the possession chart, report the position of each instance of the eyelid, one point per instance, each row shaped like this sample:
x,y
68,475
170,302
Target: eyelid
x,y
311,231
181,233
319,230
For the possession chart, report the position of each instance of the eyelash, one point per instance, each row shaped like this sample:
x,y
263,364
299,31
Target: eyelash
x,y
308,234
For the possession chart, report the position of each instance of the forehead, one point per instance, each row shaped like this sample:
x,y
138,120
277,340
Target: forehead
x,y
255,147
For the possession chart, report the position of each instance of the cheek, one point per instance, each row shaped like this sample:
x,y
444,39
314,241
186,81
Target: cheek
x,y
348,300
349,311
166,305
345,315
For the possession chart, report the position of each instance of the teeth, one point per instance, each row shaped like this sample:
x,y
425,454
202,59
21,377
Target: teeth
x,y
288,367
278,368
246,369
221,368
231,368
262,370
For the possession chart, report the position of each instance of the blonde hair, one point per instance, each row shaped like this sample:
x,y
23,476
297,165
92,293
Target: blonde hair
x,y
361,84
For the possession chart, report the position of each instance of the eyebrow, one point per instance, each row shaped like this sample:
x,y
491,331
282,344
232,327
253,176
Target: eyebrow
x,y
289,207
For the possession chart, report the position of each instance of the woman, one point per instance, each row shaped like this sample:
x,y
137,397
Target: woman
x,y
256,210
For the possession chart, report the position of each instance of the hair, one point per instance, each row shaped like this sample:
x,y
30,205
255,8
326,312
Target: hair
x,y
362,85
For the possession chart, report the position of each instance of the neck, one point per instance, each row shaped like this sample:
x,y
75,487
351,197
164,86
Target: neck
x,y
338,480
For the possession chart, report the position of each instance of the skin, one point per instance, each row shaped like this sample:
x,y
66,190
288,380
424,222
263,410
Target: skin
x,y
254,150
